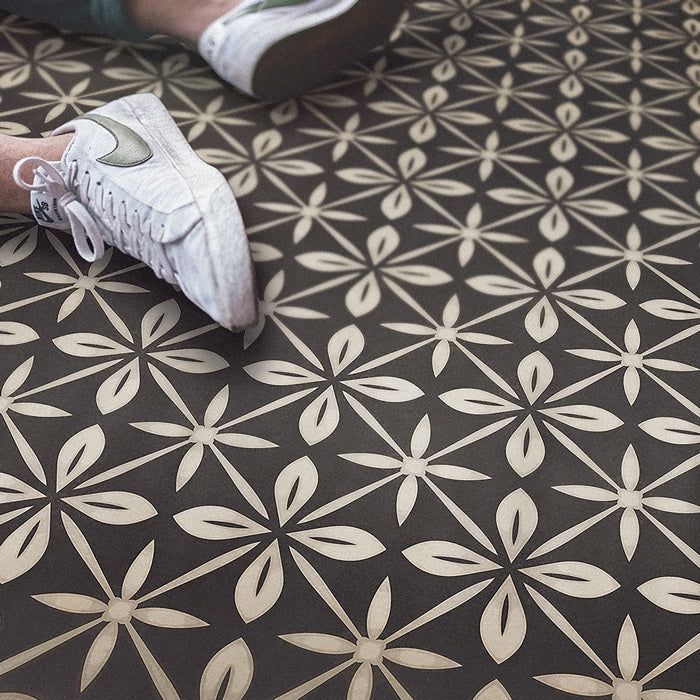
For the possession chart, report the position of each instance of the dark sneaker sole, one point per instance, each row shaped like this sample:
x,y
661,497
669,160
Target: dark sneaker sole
x,y
306,59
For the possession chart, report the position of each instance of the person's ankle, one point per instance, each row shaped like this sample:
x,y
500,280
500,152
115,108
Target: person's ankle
x,y
181,19
12,197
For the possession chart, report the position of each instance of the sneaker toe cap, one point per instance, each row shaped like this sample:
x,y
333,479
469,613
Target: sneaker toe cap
x,y
214,264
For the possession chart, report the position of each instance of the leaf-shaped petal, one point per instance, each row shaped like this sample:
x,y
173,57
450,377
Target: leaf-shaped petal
x,y
503,624
525,448
627,649
418,658
582,686
535,373
673,593
406,498
113,507
388,389
295,485
477,402
320,643
158,321
379,610
78,454
281,373
228,674
516,520
541,321
674,430
25,546
166,617
138,571
344,348
260,585
216,407
320,418
441,558
17,377
589,418
98,654
574,578
119,388
217,523
340,542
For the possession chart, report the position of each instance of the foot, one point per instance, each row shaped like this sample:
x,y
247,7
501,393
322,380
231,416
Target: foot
x,y
130,179
273,49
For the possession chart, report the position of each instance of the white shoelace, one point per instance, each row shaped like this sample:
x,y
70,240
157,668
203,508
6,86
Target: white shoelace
x,y
126,230
86,235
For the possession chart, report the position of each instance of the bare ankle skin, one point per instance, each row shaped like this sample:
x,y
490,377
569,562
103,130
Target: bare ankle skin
x,y
13,199
182,19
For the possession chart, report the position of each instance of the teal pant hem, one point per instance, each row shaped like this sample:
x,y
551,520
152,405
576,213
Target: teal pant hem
x,y
109,17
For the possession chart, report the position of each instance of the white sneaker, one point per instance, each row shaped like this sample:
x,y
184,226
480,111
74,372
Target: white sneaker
x,y
273,49
130,179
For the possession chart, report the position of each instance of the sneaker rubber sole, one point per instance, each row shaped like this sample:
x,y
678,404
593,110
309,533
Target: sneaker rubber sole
x,y
305,59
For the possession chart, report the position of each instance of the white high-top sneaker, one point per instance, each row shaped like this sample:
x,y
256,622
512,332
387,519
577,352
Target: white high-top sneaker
x,y
130,179
273,49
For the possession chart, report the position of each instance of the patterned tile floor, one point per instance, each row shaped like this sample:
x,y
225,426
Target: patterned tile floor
x,y
456,460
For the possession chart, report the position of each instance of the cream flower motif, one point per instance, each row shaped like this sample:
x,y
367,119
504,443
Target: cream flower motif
x,y
196,120
503,623
448,336
24,547
80,285
261,584
632,501
122,385
424,118
367,651
413,468
505,91
321,417
573,72
276,308
620,686
48,56
474,231
407,180
565,131
372,76
244,166
637,363
342,137
637,110
316,210
559,202
636,174
541,321
117,612
156,76
489,154
204,433
525,449
449,57
379,263
60,100
632,255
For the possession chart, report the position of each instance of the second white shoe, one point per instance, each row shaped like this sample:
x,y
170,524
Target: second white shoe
x,y
130,179
273,49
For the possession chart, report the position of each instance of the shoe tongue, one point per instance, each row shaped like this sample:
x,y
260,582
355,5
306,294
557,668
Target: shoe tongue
x,y
47,210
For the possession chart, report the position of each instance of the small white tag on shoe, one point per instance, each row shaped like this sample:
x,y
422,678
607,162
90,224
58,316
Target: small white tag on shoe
x,y
47,211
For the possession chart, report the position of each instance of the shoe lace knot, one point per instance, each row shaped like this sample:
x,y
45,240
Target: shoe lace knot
x,y
49,180
123,227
